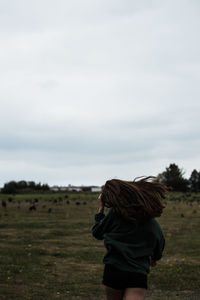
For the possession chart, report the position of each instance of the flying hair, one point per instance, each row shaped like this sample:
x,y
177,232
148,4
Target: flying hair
x,y
137,200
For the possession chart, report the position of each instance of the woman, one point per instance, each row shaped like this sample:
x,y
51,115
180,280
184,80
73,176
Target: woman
x,y
133,238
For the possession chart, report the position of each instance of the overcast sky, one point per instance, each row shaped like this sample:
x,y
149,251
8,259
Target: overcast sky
x,y
98,89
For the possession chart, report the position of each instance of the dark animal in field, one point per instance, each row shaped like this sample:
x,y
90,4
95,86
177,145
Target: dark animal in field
x,y
32,207
35,200
77,203
3,203
84,203
67,202
55,201
10,199
194,211
182,216
66,196
49,210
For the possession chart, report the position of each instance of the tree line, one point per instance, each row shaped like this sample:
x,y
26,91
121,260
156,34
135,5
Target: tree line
x,y
172,177
14,187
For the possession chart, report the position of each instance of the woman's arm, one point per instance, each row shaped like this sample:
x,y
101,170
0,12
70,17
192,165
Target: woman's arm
x,y
158,250
101,205
102,223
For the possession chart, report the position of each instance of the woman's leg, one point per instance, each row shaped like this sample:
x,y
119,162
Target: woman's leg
x,y
134,294
112,294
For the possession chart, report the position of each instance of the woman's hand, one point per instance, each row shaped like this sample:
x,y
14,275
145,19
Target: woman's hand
x,y
101,205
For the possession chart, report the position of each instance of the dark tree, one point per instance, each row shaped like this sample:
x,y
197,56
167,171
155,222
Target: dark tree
x,y
194,181
31,184
13,187
10,187
22,185
173,178
45,187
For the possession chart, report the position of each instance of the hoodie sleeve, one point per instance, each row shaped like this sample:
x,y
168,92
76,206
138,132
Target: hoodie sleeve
x,y
159,247
103,224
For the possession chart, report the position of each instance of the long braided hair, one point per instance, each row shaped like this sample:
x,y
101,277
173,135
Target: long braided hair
x,y
137,200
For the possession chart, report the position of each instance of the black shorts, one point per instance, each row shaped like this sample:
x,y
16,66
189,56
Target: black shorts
x,y
121,280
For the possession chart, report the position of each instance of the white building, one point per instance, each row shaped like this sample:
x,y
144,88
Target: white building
x,y
95,189
72,188
55,188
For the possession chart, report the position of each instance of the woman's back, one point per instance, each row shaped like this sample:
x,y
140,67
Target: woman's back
x,y
129,245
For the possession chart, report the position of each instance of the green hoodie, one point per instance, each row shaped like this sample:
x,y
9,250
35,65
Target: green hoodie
x,y
129,245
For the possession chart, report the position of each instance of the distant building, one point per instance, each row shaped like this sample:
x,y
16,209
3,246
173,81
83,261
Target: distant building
x,y
73,188
95,189
63,188
55,188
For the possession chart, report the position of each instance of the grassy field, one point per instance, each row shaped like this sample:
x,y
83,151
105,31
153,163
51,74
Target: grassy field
x,y
49,253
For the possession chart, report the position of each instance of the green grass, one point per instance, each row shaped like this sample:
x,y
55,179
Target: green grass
x,y
53,255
